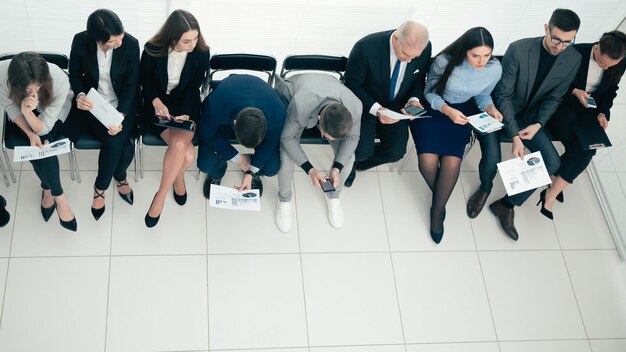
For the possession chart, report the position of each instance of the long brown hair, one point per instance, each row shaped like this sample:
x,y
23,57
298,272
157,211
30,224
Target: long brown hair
x,y
613,44
179,22
27,68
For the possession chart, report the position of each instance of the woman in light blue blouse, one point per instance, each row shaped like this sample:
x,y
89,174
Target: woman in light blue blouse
x,y
462,71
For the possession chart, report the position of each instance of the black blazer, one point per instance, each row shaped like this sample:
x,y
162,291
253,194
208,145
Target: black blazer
x,y
84,73
184,99
368,73
607,90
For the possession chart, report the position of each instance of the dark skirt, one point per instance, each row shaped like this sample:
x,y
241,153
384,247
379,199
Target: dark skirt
x,y
439,135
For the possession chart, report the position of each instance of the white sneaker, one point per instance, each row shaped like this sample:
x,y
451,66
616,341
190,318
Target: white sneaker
x,y
335,213
283,216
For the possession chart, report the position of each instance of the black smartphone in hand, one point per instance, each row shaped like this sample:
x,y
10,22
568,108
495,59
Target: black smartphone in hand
x,y
327,185
414,110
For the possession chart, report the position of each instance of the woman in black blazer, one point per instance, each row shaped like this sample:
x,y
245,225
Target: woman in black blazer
x,y
106,59
598,77
173,67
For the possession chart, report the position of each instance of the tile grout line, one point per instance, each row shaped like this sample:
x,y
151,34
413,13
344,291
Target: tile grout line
x,y
393,270
110,257
208,310
306,316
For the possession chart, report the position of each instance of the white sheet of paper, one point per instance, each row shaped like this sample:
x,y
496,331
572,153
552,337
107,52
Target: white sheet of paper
x,y
523,175
103,111
230,198
395,115
484,123
33,153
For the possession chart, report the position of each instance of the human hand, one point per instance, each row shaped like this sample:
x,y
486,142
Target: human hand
x,y
35,140
529,132
493,112
115,130
518,147
414,103
84,103
316,177
603,121
244,161
582,96
384,119
334,177
455,115
181,118
29,103
160,108
246,183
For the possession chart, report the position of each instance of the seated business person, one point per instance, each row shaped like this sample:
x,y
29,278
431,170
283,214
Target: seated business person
x,y
36,96
460,79
249,107
598,77
173,66
4,214
386,70
105,58
316,100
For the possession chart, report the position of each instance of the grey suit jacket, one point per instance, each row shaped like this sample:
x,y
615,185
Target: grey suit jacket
x,y
305,95
519,70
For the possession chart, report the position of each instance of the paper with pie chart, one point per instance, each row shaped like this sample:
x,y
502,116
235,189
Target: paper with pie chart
x,y
230,198
522,175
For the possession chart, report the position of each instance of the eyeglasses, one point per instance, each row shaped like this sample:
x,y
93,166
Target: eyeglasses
x,y
557,41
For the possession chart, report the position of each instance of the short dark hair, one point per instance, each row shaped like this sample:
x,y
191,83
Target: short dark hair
x,y
457,52
102,24
250,127
24,69
565,20
613,44
336,120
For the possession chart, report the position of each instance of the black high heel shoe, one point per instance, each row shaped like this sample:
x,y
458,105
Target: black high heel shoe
x,y
150,221
559,197
71,225
437,236
47,212
97,212
128,197
545,212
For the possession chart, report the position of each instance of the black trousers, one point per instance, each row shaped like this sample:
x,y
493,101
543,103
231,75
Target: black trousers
x,y
117,151
47,169
392,146
575,159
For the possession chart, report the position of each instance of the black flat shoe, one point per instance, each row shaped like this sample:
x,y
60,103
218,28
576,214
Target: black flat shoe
x,y
350,179
97,212
149,220
437,236
4,214
128,197
47,212
180,200
545,212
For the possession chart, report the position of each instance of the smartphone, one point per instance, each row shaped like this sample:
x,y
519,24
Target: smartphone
x,y
327,186
591,102
414,110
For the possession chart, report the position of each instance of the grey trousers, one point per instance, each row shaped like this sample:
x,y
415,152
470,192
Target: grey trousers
x,y
287,166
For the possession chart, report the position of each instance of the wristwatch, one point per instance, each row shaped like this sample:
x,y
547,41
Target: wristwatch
x,y
250,172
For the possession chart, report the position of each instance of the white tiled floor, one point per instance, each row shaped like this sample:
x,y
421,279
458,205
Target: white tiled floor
x,y
213,280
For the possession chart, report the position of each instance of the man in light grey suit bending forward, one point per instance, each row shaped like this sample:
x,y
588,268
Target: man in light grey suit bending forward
x,y
316,100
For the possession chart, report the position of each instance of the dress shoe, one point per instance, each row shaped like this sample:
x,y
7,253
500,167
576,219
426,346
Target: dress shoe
x,y
335,212
350,178
206,188
180,200
257,184
128,197
71,224
149,220
437,235
506,216
545,212
4,214
283,216
476,203
47,212
97,212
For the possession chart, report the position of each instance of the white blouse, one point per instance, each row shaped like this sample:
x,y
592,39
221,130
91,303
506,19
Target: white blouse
x,y
175,63
105,85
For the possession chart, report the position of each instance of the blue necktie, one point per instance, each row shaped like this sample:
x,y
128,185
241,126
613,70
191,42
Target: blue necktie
x,y
394,80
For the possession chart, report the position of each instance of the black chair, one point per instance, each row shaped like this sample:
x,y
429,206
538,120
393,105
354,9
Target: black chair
x,y
245,62
295,64
13,137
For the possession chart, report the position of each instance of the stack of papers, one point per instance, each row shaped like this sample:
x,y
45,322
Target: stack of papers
x,y
484,123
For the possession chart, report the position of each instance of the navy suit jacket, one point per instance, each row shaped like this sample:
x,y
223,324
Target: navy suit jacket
x,y
185,97
220,109
607,90
368,73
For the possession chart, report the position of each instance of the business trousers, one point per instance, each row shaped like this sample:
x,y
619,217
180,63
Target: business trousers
x,y
287,166
392,146
215,167
575,159
116,152
47,169
491,156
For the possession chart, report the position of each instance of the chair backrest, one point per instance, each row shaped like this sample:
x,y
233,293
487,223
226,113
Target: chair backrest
x,y
250,62
58,59
334,64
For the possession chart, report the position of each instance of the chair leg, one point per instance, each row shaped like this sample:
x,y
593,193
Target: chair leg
x,y
135,160
76,166
198,175
4,173
9,165
406,159
71,157
140,156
